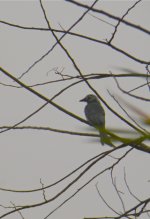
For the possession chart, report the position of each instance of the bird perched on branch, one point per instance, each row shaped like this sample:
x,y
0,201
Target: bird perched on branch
x,y
95,115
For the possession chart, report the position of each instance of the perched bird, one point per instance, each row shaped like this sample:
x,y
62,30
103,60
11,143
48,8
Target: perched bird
x,y
95,115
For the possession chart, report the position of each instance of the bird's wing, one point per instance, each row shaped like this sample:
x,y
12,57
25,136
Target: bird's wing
x,y
95,114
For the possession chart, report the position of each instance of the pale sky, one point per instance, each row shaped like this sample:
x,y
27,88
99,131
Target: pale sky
x,y
28,155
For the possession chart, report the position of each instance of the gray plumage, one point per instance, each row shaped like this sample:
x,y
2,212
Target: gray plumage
x,y
94,112
95,115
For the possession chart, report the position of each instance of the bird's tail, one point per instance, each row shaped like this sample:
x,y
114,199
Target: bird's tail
x,y
104,138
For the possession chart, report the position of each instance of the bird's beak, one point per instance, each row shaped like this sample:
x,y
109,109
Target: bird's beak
x,y
83,100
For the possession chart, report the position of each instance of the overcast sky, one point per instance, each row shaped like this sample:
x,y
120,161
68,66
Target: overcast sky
x,y
28,155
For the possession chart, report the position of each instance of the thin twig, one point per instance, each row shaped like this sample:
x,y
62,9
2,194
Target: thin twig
x,y
72,26
121,19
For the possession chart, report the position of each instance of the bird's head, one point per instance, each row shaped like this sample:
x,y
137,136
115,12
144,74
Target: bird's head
x,y
89,98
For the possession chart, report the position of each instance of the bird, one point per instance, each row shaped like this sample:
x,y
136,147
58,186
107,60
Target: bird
x,y
95,115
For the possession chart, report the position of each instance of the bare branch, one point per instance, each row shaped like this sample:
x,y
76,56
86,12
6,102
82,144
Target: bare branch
x,y
110,16
121,19
72,26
